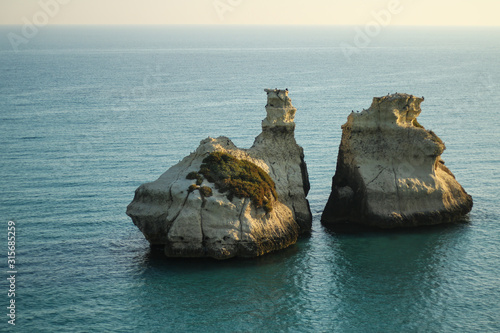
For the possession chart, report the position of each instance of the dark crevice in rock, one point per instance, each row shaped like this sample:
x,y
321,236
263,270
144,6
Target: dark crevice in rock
x,y
243,208
398,197
182,206
371,181
203,238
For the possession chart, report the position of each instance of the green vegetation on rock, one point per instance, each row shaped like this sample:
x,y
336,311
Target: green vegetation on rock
x,y
416,123
195,175
205,191
192,188
239,178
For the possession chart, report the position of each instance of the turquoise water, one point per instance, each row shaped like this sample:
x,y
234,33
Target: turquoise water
x,y
88,114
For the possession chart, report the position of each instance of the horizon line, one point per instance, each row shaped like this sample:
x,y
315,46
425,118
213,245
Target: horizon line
x,y
255,25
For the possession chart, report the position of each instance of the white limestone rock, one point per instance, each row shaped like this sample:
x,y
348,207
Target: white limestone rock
x,y
389,170
174,212
284,158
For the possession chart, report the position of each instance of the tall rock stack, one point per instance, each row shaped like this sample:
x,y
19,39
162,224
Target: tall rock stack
x,y
222,201
277,146
390,172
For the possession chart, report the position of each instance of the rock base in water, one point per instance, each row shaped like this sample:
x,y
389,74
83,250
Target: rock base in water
x,y
389,171
223,202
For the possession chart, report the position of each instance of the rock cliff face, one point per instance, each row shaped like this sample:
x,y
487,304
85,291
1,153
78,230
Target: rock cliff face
x,y
222,201
389,170
276,146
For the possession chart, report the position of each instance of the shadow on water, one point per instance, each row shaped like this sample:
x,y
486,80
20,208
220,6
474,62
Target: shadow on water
x,y
345,280
155,259
357,229
395,278
204,293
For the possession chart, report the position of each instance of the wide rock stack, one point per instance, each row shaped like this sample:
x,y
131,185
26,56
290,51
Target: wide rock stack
x,y
390,172
222,201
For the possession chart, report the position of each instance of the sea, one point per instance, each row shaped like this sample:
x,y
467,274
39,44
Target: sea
x,y
89,113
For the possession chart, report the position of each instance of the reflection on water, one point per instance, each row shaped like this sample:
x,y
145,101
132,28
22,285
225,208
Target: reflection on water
x,y
243,293
364,281
395,278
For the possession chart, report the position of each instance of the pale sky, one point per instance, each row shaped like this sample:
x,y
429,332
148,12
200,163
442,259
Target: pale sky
x,y
323,12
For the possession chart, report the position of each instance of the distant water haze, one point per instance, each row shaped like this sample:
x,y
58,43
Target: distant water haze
x,y
254,12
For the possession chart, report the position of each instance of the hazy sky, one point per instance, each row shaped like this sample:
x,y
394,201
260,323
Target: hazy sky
x,y
404,12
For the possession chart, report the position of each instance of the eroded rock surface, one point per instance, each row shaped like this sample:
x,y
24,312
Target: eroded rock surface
x,y
389,170
191,216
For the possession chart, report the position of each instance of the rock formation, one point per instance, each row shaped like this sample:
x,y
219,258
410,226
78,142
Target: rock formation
x,y
222,201
389,170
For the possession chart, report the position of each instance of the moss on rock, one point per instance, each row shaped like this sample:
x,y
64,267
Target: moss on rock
x,y
205,191
192,188
239,178
195,175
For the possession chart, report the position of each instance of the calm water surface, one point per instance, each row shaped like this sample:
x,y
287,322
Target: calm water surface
x,y
88,114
